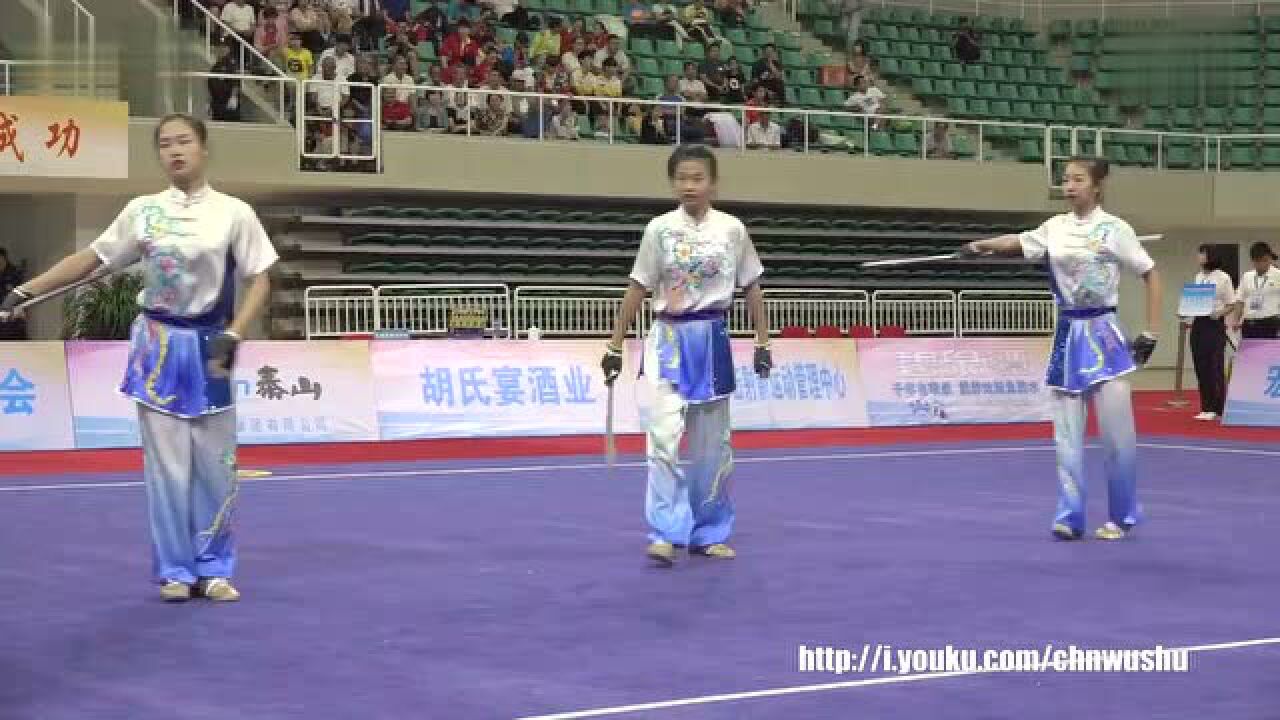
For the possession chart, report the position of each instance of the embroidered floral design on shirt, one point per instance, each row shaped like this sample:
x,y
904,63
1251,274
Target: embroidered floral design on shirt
x,y
694,259
167,275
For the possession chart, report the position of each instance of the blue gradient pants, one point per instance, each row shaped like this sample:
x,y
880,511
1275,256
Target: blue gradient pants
x,y
688,382
189,465
1113,402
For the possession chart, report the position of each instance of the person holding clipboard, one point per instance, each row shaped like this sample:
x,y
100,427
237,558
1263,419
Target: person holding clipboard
x,y
1257,303
1205,314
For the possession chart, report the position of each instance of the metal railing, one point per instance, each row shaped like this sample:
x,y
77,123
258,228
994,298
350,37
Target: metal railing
x,y
1038,11
285,87
83,60
424,310
1005,312
590,311
212,23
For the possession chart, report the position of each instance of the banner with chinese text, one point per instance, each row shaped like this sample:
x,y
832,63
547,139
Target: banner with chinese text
x,y
304,392
494,388
1254,395
921,381
53,136
35,407
285,392
813,384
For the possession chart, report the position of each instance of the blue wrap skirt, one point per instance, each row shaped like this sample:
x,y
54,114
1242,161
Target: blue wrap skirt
x,y
1088,348
168,368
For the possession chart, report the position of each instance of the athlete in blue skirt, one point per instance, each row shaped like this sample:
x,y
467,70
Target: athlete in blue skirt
x,y
1085,251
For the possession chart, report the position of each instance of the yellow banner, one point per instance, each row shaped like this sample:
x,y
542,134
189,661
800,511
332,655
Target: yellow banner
x,y
63,137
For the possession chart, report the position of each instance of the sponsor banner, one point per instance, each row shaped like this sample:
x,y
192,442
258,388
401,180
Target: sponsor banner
x,y
35,405
1254,395
52,136
920,381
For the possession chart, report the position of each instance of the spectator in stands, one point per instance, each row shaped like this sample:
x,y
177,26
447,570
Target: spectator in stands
x,y
731,12
433,116
859,62
697,19
516,56
691,86
570,58
434,76
494,119
556,78
298,61
370,25
735,83
564,126
495,87
965,44
671,111
467,10
357,134
796,138
768,72
612,50
653,126
459,48
547,43
397,102
939,144
482,29
10,278
584,83
609,85
308,19
366,72
272,35
759,99
712,75
405,46
524,75
241,18
457,98
578,29
509,12
669,21
866,99
344,61
525,111
326,96
224,92
764,133
433,21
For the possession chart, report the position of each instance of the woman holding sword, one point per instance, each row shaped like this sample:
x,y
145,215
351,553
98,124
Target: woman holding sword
x,y
193,242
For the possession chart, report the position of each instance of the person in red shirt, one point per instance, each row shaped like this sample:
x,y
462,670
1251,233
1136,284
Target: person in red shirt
x,y
460,48
577,30
599,39
759,98
486,62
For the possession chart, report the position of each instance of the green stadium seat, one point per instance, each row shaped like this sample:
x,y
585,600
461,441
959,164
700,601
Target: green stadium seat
x,y
373,238
1241,155
413,239
370,268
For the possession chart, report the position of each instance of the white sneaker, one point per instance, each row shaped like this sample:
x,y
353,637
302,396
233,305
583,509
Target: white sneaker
x,y
1207,416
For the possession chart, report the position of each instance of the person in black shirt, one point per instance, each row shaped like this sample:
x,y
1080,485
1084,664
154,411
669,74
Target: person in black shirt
x,y
363,96
768,72
966,46
712,74
10,278
224,93
735,84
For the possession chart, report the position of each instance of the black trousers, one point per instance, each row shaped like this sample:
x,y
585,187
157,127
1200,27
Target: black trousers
x,y
1209,352
1262,328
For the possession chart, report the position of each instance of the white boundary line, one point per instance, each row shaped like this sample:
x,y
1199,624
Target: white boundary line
x,y
801,689
517,469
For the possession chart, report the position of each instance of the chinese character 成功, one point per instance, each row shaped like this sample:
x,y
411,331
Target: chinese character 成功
x,y
9,136
304,386
18,394
68,135
269,386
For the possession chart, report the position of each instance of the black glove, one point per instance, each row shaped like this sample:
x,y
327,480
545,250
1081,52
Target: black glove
x,y
222,353
11,301
1142,347
763,361
611,364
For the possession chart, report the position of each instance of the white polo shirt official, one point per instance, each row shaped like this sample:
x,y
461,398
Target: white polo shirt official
x,y
1260,295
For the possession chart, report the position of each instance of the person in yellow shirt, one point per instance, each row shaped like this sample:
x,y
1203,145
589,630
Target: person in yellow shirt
x,y
547,42
697,17
298,61
608,85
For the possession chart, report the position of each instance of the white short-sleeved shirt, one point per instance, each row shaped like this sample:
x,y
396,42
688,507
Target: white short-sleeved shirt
x,y
238,18
1086,256
184,242
1224,295
690,266
1260,294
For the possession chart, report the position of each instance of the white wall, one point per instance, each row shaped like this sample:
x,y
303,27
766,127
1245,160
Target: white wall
x,y
41,231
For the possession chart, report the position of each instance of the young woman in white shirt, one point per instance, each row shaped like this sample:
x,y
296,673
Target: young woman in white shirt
x,y
1257,301
1085,251
193,242
691,259
1209,335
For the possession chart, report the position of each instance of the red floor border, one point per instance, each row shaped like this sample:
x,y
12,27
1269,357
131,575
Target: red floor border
x,y
1154,417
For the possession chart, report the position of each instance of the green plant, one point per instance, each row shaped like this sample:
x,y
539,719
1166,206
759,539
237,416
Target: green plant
x,y
103,310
